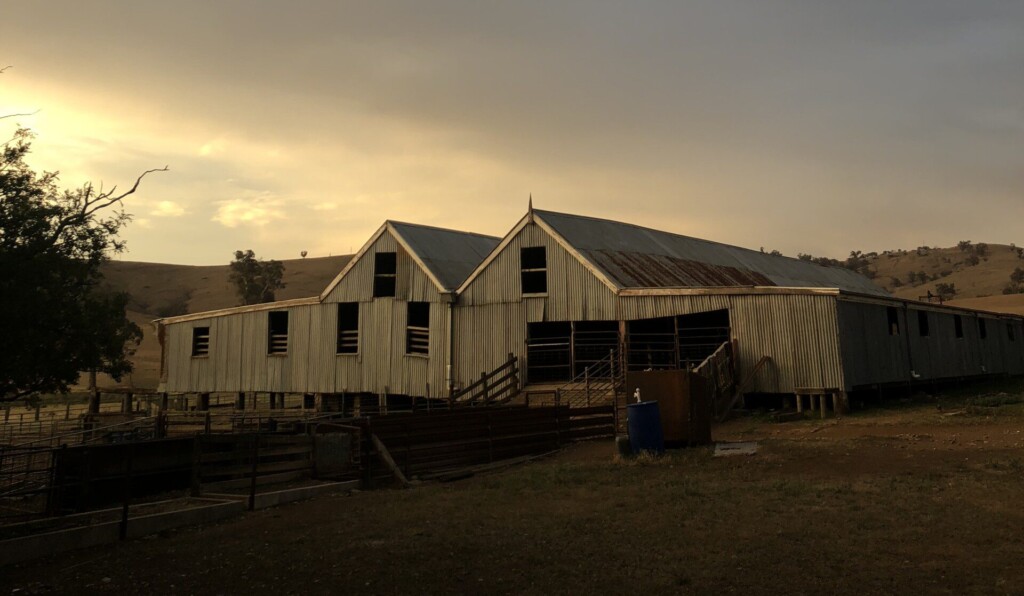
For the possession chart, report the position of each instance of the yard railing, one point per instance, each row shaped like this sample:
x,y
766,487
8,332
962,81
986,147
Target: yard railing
x,y
496,387
598,384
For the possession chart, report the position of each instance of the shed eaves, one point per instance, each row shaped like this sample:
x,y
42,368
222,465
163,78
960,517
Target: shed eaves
x,y
450,255
635,257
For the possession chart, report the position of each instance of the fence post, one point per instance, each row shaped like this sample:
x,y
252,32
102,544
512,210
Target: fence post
x,y
586,380
94,402
38,408
367,455
515,373
123,529
206,423
197,461
483,381
67,412
255,469
490,439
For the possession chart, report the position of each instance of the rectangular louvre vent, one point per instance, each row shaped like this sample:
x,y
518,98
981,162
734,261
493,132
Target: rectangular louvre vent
x,y
278,339
417,336
348,328
200,341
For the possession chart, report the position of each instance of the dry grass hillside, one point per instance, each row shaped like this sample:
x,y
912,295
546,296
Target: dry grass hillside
x,y
979,275
975,272
159,290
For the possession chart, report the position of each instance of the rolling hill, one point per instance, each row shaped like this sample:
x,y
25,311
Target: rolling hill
x,y
159,290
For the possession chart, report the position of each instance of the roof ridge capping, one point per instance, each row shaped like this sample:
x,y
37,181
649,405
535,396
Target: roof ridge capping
x,y
395,222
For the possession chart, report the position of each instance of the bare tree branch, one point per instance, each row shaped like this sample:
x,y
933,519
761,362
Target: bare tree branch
x,y
91,205
5,116
106,199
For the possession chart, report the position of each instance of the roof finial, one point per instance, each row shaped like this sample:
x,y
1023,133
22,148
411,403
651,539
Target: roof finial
x,y
529,208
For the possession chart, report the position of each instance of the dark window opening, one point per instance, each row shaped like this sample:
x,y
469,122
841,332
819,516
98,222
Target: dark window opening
x,y
1009,332
277,342
548,352
348,327
958,326
200,341
982,331
533,263
894,320
385,271
922,323
700,334
651,344
417,336
592,343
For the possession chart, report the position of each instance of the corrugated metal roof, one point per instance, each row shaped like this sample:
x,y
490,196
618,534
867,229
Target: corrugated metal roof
x,y
450,255
635,257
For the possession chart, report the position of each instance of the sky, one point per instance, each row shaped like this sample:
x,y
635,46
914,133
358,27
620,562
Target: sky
x,y
796,125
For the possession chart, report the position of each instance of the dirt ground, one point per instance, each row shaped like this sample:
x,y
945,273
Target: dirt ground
x,y
909,499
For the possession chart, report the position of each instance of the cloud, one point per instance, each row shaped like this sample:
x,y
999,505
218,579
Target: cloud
x,y
214,147
256,211
168,209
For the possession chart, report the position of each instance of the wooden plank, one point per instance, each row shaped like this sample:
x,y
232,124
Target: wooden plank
x,y
385,456
246,469
244,454
262,480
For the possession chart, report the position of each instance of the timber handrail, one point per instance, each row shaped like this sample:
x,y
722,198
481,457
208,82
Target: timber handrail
x,y
714,356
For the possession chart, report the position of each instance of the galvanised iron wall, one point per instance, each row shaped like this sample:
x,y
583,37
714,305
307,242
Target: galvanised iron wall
x,y
238,358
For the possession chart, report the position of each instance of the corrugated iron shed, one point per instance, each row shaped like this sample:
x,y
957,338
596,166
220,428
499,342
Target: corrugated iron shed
x,y
635,257
450,255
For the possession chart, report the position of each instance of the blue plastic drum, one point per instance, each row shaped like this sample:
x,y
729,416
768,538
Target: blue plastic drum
x,y
643,421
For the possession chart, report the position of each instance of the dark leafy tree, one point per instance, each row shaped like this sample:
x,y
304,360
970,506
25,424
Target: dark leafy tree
x,y
945,291
58,319
964,245
255,280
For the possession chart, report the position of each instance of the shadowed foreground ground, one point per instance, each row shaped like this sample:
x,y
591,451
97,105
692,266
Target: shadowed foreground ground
x,y
892,501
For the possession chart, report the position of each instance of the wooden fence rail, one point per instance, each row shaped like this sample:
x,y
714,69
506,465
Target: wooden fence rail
x,y
498,386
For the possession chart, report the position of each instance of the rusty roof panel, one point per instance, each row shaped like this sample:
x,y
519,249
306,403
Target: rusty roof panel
x,y
633,269
636,257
